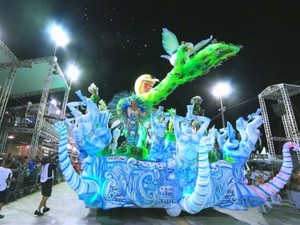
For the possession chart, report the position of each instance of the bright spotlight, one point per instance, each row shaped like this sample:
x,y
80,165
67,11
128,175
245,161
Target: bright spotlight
x,y
221,90
11,137
54,102
60,37
72,72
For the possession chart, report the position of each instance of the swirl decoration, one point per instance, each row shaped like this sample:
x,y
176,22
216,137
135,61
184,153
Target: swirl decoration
x,y
118,181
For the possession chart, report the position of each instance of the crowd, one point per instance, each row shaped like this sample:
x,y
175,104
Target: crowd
x,y
291,190
20,176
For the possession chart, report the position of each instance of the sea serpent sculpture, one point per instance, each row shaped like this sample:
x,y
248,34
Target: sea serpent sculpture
x,y
177,174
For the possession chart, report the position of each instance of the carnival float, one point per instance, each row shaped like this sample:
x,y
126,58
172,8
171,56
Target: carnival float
x,y
169,161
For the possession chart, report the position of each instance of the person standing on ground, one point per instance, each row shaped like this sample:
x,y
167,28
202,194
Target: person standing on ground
x,y
46,179
5,178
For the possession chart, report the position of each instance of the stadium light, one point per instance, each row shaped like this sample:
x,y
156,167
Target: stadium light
x,y
221,90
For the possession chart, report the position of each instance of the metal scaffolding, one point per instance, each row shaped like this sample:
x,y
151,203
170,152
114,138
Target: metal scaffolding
x,y
19,79
281,93
41,111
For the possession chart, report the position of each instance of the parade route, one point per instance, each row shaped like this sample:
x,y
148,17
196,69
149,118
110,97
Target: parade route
x,y
67,209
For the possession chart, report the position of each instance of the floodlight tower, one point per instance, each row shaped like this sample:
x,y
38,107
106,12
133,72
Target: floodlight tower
x,y
61,39
221,90
73,73
59,36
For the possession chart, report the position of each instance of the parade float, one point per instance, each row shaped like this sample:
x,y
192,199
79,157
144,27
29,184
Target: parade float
x,y
169,161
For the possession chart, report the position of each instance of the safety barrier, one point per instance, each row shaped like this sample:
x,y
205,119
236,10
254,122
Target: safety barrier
x,y
27,181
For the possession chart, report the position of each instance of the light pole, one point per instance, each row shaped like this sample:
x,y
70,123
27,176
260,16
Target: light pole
x,y
59,36
73,73
61,39
221,90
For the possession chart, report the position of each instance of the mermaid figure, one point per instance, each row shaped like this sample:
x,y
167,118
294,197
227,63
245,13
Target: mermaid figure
x,y
90,129
187,144
238,151
159,121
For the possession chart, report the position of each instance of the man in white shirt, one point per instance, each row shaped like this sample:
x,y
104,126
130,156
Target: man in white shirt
x,y
5,176
46,179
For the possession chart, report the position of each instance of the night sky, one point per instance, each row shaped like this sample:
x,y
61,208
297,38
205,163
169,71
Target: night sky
x,y
113,42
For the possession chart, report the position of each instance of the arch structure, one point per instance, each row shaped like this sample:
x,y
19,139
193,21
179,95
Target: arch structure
x,y
29,81
280,96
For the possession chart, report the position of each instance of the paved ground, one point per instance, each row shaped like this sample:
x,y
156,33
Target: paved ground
x,y
66,209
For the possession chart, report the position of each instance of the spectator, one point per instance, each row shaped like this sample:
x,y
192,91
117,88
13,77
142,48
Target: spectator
x,y
5,178
294,188
32,167
76,166
46,179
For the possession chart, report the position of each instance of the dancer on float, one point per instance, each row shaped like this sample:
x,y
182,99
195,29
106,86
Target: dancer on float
x,y
134,113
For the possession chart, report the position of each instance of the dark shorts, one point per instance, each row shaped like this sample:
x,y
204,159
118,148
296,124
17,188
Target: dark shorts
x,y
47,188
3,195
